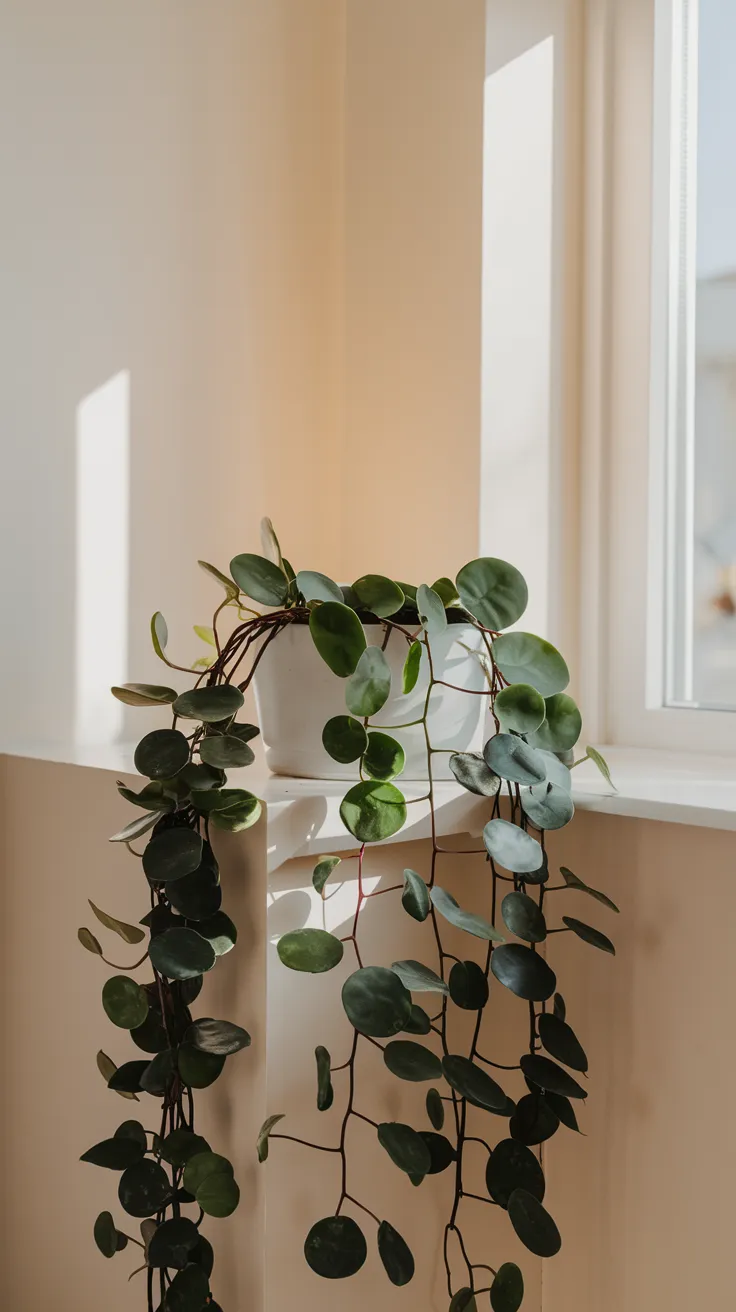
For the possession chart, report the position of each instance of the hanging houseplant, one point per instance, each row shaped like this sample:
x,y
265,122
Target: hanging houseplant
x,y
384,644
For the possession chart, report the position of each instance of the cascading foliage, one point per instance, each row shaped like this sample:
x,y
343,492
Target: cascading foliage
x,y
169,1175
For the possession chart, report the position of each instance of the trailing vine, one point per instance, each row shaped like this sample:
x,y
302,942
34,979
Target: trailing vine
x,y
170,1177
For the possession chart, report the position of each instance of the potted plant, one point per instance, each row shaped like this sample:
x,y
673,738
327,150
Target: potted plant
x,y
391,650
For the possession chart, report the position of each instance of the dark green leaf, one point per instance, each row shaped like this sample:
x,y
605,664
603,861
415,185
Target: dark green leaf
x,y
225,751
572,881
590,935
446,591
512,848
524,972
464,1301
435,1109
548,806
211,705
172,1243
116,1154
525,658
431,611
376,1002
144,694
384,757
127,1078
415,897
128,933
220,1037
412,666
562,1042
260,579
507,1290
411,1061
159,1073
548,1075
563,1110
161,754
562,726
187,1291
134,1131
493,591
379,595
405,1147
325,1092
368,688
533,1224
468,986
418,1022
182,1144
233,809
310,950
198,1069
512,758
522,916
418,978
204,1256
441,1151
395,1254
144,1188
220,931
140,825
335,1248
372,811
201,1166
339,637
197,896
202,778
172,854
467,920
125,1002
264,1135
471,771
317,587
470,1081
181,954
534,1121
560,1009
322,872
106,1236
218,1195
344,739
511,1166
520,708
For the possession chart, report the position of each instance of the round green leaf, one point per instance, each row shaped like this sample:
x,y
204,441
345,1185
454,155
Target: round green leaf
x,y
507,1290
218,1195
534,1121
172,854
379,595
144,694
172,1243
548,806
520,708
572,881
512,848
220,931
181,954
562,725
161,754
418,978
446,591
464,1301
201,1166
232,809
412,666
225,751
106,1236
151,1036
411,1061
133,1130
435,1109
511,758
344,739
317,587
405,1147
180,1145
125,1002
265,1133
431,611
187,1291
117,1154
325,1092
524,972
220,702
418,1022
322,872
384,758
511,1166
467,920
310,950
471,771
367,690
197,896
533,1224
525,658
550,1077
523,917
144,1188
493,591
441,1151
376,1002
260,579
415,897
335,1248
372,811
395,1254
198,1069
338,635
125,1079
220,1037
468,986
158,1075
470,1081
589,935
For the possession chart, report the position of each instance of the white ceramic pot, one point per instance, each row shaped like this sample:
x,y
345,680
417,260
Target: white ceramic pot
x,y
296,694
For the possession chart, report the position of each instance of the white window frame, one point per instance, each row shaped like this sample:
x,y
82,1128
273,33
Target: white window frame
x,y
635,313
